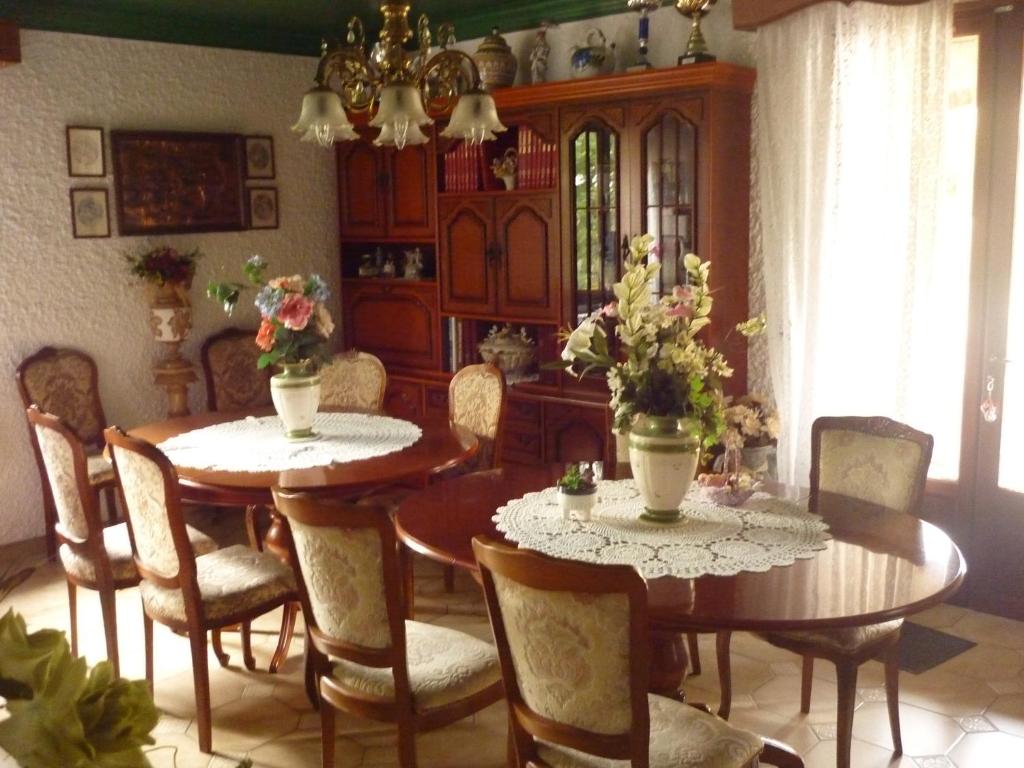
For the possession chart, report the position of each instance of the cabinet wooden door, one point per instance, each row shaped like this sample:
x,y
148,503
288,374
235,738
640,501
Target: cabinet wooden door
x,y
409,192
403,399
528,273
395,322
467,255
575,433
360,190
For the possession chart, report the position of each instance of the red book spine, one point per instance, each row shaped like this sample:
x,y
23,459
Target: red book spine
x,y
549,165
528,160
463,170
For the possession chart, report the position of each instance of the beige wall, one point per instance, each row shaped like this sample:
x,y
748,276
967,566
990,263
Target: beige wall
x,y
57,290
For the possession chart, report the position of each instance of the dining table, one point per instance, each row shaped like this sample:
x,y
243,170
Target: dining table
x,y
873,565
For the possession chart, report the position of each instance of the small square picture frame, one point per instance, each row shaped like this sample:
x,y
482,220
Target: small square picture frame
x,y
90,212
87,155
259,157
262,206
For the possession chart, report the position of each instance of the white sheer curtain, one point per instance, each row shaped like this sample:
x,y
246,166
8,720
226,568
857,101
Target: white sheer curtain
x,y
866,308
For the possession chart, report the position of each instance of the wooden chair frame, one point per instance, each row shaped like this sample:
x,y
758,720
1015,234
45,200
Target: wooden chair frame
x,y
92,546
886,648
196,623
333,513
228,334
94,442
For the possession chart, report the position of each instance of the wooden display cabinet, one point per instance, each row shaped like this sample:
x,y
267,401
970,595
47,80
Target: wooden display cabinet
x,y
396,320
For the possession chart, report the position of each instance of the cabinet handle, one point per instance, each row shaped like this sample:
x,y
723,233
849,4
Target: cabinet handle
x,y
494,253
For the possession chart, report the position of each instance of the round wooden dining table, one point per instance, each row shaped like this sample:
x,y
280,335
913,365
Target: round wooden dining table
x,y
878,565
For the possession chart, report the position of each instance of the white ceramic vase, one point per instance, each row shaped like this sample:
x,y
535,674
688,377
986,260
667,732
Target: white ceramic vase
x,y
663,454
296,396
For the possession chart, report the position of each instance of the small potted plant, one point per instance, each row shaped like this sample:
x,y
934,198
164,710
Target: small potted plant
x,y
577,491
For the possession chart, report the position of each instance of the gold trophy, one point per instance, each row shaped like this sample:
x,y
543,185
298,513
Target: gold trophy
x,y
697,46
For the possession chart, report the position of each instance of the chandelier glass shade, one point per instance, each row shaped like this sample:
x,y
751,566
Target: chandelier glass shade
x,y
396,86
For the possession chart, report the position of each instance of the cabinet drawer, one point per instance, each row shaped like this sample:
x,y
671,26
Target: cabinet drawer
x,y
523,413
403,399
396,323
522,447
435,400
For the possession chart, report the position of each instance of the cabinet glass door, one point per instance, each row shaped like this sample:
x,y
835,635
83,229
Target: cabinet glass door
x,y
670,152
595,173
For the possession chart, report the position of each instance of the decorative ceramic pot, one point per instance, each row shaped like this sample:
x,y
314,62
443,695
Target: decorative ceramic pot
x,y
296,396
510,351
760,460
496,62
593,58
580,502
171,312
663,453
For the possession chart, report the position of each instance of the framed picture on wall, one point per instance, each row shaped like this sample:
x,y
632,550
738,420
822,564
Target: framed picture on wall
x,y
90,212
262,208
259,157
171,181
86,155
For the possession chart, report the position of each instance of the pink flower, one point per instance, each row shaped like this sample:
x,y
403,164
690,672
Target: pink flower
x,y
680,310
682,293
611,309
295,312
293,283
265,337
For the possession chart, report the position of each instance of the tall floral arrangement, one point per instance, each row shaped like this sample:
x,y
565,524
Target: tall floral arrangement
x,y
295,323
663,367
163,265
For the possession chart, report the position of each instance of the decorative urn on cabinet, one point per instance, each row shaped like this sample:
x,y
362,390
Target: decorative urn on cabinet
x,y
496,62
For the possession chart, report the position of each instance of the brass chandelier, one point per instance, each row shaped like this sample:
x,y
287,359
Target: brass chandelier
x,y
396,86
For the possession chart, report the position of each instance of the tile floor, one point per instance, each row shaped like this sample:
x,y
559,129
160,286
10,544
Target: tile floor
x,y
966,713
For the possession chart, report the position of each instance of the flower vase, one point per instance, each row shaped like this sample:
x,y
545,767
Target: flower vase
x,y
170,312
663,454
296,396
760,460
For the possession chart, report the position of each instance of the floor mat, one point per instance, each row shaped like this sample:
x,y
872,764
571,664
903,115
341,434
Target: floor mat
x,y
922,648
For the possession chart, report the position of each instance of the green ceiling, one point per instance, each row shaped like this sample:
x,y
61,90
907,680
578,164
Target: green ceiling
x,y
282,26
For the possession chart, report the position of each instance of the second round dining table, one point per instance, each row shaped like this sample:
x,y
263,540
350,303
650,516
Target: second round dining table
x,y
878,565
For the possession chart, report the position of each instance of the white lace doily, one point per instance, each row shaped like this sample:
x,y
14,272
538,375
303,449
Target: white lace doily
x,y
259,444
710,539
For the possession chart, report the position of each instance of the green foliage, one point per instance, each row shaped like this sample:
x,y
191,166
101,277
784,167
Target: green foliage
x,y
575,481
67,715
226,294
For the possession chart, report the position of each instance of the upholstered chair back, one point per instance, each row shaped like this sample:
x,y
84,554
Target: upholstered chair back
x,y
65,462
476,400
346,564
573,649
874,459
354,380
149,491
63,382
233,382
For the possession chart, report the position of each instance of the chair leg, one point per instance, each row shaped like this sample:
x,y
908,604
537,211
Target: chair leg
x,y
247,659
201,678
291,610
73,611
108,605
846,677
218,649
406,744
694,647
449,579
327,734
806,682
310,672
891,659
722,641
250,528
147,635
780,754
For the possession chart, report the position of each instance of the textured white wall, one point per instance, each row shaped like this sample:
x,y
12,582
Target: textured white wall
x,y
57,290
669,33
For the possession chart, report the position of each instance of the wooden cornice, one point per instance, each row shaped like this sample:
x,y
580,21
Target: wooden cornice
x,y
751,14
713,76
10,43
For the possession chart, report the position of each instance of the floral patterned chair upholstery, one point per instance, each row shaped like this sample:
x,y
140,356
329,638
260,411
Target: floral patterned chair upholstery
x,y
94,557
572,639
233,382
64,382
476,400
883,462
181,590
354,380
369,660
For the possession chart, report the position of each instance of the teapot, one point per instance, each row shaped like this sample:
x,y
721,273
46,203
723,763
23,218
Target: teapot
x,y
593,58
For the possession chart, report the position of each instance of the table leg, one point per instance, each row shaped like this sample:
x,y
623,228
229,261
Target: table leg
x,y
668,664
278,539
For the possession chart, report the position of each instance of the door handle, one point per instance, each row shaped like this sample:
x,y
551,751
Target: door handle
x,y
494,253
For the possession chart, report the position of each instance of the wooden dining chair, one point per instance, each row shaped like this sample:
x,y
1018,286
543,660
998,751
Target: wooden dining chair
x,y
233,382
371,661
476,400
187,593
573,642
64,382
355,380
883,462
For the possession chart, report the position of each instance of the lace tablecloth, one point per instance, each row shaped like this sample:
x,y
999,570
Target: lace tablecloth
x,y
710,539
259,445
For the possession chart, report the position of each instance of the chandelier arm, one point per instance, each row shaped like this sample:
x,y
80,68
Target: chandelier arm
x,y
356,79
446,76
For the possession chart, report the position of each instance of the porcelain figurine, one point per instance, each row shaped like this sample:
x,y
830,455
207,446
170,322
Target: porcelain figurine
x,y
539,54
413,268
593,58
388,270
